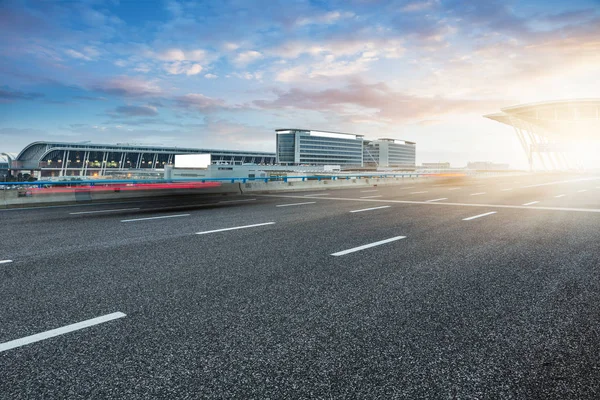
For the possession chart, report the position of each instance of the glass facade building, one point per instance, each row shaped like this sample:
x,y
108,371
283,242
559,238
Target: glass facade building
x,y
308,147
87,159
389,153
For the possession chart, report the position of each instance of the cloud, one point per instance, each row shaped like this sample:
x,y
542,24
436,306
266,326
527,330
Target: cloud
x,y
415,6
327,18
199,101
178,68
249,75
128,86
176,54
90,98
88,53
211,76
429,122
339,47
7,95
15,139
174,8
134,111
375,102
229,46
247,57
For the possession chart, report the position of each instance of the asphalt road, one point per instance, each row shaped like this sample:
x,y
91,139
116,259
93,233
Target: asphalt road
x,y
477,289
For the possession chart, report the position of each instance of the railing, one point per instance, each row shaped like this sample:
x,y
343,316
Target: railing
x,y
108,182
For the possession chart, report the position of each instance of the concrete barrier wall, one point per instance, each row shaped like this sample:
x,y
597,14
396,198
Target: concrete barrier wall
x,y
11,199
277,186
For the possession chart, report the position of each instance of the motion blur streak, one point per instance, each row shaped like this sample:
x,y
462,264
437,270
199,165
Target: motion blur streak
x,y
125,187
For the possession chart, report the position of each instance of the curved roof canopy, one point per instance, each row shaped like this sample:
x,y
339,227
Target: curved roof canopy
x,y
562,119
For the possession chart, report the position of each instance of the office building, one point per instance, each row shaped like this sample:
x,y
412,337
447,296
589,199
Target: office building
x,y
387,152
308,147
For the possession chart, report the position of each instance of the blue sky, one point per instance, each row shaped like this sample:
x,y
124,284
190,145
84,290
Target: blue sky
x,y
225,74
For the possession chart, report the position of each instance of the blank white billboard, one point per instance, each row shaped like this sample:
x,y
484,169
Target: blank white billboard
x,y
192,160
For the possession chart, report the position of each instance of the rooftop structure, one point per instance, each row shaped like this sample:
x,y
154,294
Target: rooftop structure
x,y
545,128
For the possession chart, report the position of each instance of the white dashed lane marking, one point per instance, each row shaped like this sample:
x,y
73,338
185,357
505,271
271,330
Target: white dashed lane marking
x,y
295,204
369,209
367,246
234,228
479,216
104,211
59,331
150,218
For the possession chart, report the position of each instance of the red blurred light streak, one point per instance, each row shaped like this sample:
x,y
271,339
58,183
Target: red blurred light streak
x,y
124,187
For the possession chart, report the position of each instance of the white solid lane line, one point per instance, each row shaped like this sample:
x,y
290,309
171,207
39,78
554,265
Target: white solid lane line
x,y
5,261
559,182
369,209
234,228
59,331
318,194
369,191
559,196
295,204
443,198
410,187
235,201
104,211
479,216
454,188
582,191
370,197
506,190
444,204
366,246
417,192
149,218
531,203
477,194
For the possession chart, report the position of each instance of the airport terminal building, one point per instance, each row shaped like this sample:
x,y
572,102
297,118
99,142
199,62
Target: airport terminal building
x,y
53,159
309,147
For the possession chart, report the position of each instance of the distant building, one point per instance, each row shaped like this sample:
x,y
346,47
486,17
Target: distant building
x,y
438,165
59,159
487,166
5,161
308,147
386,152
